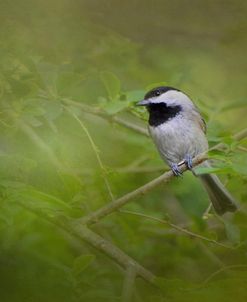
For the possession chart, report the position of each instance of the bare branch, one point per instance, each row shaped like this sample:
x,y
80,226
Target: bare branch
x,y
240,135
110,250
84,234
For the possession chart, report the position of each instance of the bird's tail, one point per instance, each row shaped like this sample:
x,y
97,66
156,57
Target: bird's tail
x,y
221,199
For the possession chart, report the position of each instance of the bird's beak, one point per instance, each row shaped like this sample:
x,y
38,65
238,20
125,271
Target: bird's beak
x,y
143,103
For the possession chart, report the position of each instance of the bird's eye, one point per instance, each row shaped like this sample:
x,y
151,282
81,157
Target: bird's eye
x,y
157,92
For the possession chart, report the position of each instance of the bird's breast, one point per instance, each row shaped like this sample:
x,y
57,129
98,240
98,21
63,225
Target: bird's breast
x,y
178,138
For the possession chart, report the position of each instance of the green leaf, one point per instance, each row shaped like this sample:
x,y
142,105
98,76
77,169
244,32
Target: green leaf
x,y
18,192
111,83
81,263
216,152
228,139
209,170
219,155
43,199
114,107
238,160
135,95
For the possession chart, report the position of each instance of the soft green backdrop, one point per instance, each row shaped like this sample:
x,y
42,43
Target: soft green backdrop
x,y
57,159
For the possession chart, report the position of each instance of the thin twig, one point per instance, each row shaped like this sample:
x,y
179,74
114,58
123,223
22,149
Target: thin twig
x,y
223,269
96,152
240,135
176,227
241,148
207,212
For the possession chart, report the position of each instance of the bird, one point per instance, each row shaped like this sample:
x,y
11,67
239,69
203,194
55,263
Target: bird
x,y
179,133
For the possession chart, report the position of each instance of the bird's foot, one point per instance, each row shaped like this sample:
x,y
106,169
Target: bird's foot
x,y
175,169
188,162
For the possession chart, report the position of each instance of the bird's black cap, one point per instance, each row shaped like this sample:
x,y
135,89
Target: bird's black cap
x,y
158,91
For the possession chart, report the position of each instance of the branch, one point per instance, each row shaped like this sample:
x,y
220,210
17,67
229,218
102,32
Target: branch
x,y
110,118
130,125
110,250
84,234
240,135
164,178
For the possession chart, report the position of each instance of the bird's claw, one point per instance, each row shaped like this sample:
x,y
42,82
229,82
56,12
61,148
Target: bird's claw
x,y
188,162
175,169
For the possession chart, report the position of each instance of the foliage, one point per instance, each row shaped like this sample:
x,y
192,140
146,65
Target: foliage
x,y
68,80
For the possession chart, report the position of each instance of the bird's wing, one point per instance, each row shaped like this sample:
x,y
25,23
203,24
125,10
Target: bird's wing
x,y
203,124
199,120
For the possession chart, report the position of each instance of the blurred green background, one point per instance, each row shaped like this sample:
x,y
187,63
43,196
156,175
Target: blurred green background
x,y
61,60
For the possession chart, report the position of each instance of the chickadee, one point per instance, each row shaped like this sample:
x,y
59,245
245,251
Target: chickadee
x,y
178,131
